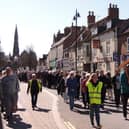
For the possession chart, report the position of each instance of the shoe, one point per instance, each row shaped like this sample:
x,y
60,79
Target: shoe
x,y
33,107
99,127
36,106
93,126
71,108
125,118
84,107
102,107
9,118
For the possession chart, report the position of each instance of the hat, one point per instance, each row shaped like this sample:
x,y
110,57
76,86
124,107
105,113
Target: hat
x,y
71,72
33,75
87,74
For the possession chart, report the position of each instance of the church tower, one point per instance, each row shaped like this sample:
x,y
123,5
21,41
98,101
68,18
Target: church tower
x,y
16,44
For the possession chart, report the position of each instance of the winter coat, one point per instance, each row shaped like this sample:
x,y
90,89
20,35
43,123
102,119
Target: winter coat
x,y
124,85
10,84
72,86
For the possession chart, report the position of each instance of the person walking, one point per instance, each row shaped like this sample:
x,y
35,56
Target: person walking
x,y
72,89
1,97
78,76
83,81
94,90
10,86
124,87
102,78
34,87
109,86
116,86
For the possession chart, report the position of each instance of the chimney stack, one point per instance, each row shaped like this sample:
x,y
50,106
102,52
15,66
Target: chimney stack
x,y
90,18
113,11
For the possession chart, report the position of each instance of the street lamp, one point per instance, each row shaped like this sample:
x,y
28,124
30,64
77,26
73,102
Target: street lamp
x,y
76,16
15,63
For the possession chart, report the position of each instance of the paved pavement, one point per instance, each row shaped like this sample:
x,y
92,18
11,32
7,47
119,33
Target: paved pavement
x,y
53,113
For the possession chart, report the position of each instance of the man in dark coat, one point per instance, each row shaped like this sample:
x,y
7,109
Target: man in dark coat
x,y
72,89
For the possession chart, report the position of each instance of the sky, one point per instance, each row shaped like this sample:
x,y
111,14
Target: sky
x,y
38,20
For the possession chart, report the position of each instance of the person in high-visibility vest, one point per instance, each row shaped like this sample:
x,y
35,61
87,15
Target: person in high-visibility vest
x,y
94,90
34,86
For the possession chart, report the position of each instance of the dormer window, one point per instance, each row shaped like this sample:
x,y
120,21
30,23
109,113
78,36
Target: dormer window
x,y
94,31
109,24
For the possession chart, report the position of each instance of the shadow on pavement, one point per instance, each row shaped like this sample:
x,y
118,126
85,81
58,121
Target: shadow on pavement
x,y
21,109
17,123
106,111
113,110
127,119
78,106
42,110
81,112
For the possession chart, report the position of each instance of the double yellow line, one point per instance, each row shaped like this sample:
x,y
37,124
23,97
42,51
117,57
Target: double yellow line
x,y
69,125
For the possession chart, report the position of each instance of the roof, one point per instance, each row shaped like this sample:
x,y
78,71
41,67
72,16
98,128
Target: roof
x,y
72,38
60,41
123,26
126,31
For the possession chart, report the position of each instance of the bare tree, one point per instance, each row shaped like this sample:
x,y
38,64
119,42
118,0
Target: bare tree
x,y
28,58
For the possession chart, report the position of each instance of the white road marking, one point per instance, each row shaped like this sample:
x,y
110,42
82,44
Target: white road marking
x,y
69,125
72,127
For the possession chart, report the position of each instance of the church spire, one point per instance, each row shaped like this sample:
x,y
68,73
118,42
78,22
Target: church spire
x,y
16,44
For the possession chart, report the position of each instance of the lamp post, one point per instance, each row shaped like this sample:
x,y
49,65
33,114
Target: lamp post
x,y
76,16
15,63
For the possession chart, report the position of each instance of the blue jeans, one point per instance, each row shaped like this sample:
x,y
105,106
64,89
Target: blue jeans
x,y
95,109
71,101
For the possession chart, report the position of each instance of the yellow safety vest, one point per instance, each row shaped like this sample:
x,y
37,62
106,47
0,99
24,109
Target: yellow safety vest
x,y
95,92
39,84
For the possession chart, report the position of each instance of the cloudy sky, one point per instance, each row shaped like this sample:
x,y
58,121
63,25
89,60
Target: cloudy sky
x,y
38,20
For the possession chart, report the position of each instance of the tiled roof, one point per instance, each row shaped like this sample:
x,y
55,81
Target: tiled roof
x,y
61,40
72,37
123,26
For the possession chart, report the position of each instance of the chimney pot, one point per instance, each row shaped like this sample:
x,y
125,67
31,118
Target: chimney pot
x,y
110,5
72,24
89,13
92,13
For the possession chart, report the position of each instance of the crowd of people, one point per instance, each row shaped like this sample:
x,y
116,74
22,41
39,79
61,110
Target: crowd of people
x,y
92,88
